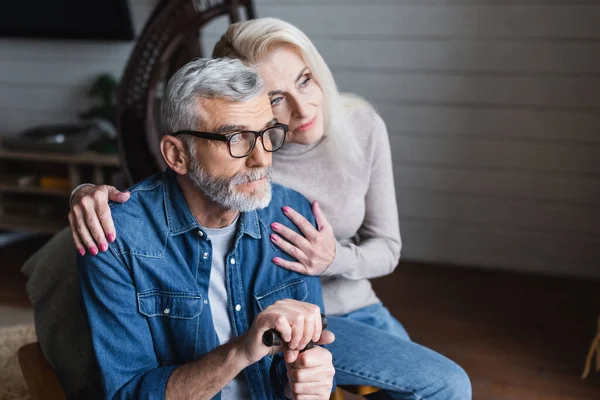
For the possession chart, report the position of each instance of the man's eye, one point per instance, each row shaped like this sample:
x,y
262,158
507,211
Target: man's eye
x,y
235,138
276,101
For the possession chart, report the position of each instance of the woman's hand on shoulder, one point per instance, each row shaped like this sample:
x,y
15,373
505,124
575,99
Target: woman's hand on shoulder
x,y
314,251
90,218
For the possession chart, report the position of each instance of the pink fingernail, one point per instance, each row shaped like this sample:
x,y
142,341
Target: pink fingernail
x,y
81,252
274,237
286,209
275,225
103,246
93,250
276,260
111,237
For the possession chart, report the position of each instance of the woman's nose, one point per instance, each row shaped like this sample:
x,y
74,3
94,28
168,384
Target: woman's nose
x,y
300,108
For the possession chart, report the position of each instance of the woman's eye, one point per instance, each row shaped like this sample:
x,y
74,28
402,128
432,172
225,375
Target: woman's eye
x,y
304,83
276,101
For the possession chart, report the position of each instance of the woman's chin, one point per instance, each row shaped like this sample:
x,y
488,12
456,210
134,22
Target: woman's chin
x,y
305,138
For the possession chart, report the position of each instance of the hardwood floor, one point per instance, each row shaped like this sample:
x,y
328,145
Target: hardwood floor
x,y
520,337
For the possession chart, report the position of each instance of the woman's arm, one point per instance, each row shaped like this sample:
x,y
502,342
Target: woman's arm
x,y
376,249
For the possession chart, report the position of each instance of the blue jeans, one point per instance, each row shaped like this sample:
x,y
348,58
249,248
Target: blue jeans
x,y
372,348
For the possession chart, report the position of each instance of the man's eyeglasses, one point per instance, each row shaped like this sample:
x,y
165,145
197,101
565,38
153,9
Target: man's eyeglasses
x,y
241,144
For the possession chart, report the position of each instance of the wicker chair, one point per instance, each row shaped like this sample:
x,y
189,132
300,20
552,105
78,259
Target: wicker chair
x,y
170,38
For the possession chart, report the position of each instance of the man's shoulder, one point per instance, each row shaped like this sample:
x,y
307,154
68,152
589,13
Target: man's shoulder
x,y
143,194
141,218
284,196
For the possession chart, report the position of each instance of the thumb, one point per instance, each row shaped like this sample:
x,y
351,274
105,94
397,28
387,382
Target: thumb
x,y
116,195
290,356
327,337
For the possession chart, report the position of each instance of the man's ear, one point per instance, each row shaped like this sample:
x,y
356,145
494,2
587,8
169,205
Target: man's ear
x,y
175,154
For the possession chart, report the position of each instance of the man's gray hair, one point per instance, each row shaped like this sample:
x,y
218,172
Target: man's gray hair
x,y
220,78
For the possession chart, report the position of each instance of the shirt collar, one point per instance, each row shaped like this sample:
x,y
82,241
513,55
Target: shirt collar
x,y
180,218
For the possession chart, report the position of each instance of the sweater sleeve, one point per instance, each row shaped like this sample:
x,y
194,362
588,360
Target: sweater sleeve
x,y
375,249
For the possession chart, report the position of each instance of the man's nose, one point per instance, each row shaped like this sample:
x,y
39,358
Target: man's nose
x,y
259,156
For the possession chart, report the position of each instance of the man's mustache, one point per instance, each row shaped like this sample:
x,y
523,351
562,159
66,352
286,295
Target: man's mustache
x,y
254,174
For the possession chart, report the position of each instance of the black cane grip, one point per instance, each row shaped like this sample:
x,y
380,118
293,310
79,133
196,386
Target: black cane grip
x,y
272,337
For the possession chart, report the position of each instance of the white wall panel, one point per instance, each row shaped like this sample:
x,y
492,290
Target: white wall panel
x,y
493,108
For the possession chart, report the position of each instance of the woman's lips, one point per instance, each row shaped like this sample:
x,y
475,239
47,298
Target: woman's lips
x,y
307,126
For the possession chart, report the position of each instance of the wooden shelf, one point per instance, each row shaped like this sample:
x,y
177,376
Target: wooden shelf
x,y
21,205
32,223
86,157
8,188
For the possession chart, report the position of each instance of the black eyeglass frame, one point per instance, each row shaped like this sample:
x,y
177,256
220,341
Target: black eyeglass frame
x,y
227,137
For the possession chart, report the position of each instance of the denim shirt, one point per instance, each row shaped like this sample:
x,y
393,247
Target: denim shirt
x,y
146,299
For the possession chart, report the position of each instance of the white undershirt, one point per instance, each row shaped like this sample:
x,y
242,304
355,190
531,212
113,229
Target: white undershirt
x,y
222,241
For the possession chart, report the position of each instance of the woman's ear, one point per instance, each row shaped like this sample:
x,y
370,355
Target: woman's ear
x,y
175,154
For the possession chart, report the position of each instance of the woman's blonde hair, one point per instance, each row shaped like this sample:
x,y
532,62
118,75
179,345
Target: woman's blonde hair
x,y
252,40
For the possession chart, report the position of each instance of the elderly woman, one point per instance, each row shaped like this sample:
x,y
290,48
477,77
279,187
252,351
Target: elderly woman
x,y
338,155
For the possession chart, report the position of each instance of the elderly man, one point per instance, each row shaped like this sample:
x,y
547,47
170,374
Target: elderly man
x,y
178,306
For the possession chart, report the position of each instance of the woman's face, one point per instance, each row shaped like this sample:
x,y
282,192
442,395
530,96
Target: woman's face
x,y
296,98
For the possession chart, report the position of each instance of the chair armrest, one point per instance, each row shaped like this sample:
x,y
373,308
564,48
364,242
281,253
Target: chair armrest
x,y
39,375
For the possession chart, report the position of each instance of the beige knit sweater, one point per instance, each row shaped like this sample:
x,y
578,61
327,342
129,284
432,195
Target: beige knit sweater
x,y
362,209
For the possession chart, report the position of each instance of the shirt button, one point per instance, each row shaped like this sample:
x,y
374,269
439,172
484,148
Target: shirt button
x,y
200,233
238,307
167,311
205,301
205,255
232,261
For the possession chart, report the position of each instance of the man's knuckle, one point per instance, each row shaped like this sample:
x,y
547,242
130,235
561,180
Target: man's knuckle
x,y
278,303
280,320
309,319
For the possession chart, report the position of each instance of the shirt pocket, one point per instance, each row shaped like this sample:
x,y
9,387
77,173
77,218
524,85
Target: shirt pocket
x,y
294,289
174,321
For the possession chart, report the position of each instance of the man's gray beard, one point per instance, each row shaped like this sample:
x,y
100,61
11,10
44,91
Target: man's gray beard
x,y
222,190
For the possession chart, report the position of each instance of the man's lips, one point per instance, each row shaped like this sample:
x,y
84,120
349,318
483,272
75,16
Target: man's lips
x,y
255,182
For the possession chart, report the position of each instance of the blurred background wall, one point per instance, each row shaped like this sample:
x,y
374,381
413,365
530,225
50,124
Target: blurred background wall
x,y
492,106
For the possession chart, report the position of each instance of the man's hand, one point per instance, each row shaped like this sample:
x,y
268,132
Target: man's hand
x,y
297,323
311,374
90,218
